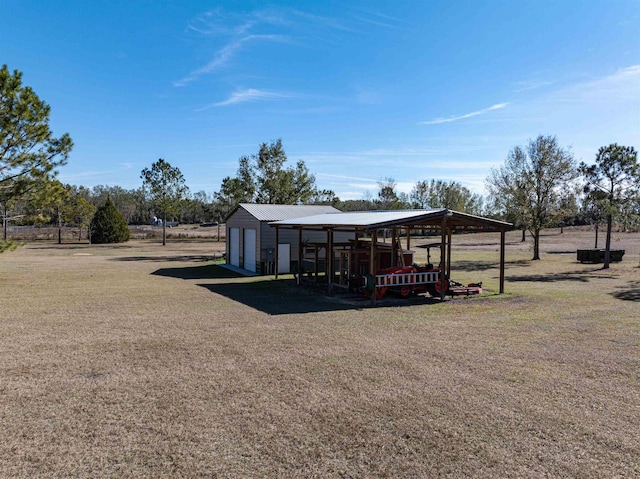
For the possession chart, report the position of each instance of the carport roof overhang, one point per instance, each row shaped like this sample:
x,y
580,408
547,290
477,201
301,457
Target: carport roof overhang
x,y
444,220
368,221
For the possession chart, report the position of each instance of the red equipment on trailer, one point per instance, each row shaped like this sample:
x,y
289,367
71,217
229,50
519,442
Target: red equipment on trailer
x,y
408,280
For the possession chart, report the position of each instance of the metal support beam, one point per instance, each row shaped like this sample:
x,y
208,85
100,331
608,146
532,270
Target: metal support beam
x,y
329,260
449,252
443,256
276,251
502,260
394,247
315,264
300,254
372,265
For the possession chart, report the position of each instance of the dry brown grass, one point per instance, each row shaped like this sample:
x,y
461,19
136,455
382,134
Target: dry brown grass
x,y
142,361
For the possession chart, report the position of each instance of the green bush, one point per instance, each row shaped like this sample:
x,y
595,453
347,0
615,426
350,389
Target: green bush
x,y
108,225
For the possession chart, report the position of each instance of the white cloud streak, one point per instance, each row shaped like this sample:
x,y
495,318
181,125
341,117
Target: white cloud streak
x,y
325,21
344,177
622,85
244,96
438,121
225,54
527,85
236,30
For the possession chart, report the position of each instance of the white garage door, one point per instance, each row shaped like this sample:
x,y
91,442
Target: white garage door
x,y
284,258
234,246
250,250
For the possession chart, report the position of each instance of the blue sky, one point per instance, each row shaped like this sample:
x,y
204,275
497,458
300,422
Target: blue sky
x,y
360,90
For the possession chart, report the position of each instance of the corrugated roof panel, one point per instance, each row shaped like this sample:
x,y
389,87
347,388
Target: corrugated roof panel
x,y
264,212
371,220
356,218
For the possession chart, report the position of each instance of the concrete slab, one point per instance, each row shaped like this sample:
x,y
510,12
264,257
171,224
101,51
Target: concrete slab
x,y
235,269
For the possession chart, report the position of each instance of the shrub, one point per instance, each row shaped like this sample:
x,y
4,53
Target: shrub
x,y
108,225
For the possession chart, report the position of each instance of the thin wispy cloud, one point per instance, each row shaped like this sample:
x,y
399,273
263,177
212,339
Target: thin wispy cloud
x,y
216,22
376,18
326,21
409,156
248,95
345,177
374,22
225,54
450,119
527,85
621,85
236,31
363,186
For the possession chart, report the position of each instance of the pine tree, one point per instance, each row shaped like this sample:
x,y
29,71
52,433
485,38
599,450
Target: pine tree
x,y
29,153
108,225
614,180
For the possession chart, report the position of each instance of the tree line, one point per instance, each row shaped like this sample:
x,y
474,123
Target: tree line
x,y
540,185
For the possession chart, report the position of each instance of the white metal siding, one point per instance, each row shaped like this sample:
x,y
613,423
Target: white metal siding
x,y
234,246
250,250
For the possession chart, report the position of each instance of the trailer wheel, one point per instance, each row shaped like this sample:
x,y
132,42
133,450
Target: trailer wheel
x,y
434,288
405,291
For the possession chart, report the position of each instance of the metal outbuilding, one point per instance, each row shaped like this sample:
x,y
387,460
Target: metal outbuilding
x,y
369,223
254,246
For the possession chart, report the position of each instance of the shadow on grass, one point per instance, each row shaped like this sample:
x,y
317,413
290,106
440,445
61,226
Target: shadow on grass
x,y
164,259
283,296
495,244
483,266
577,276
629,294
278,297
56,246
548,278
269,296
207,271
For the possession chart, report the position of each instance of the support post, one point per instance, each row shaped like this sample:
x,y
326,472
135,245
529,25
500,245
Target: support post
x,y
300,269
394,247
408,238
315,264
329,267
449,252
502,260
275,266
443,256
372,265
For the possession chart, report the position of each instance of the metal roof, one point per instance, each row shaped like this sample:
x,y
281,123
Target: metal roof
x,y
372,220
265,212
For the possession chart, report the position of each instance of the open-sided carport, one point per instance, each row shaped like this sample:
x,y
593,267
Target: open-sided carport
x,y
371,222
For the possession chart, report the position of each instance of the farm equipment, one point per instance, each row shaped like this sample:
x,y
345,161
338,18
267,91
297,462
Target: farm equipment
x,y
408,280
